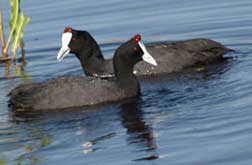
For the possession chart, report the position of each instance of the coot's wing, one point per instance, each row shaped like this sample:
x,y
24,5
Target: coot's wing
x,y
175,56
65,92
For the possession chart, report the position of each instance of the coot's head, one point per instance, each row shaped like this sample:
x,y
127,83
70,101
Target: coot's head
x,y
134,51
76,42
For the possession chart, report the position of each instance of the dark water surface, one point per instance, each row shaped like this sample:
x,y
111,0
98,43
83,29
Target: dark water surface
x,y
198,118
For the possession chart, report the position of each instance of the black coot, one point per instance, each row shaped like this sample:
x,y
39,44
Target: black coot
x,y
171,57
80,91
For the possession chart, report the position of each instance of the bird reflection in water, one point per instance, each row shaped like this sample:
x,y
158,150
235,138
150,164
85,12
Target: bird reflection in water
x,y
140,133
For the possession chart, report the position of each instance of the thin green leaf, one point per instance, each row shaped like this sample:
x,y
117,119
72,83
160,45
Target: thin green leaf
x,y
14,13
22,22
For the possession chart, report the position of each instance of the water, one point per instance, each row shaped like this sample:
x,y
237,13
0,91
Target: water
x,y
189,118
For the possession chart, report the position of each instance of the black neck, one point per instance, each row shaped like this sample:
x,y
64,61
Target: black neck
x,y
124,74
91,58
90,48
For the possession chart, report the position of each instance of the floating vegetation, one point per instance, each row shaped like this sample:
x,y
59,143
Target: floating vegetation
x,y
26,156
18,21
2,161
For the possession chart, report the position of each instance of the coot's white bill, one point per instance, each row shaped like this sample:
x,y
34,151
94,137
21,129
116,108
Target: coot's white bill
x,y
146,56
66,38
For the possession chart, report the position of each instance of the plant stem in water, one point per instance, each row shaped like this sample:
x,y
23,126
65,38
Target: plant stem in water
x,y
2,37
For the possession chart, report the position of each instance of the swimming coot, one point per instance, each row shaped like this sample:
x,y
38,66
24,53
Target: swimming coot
x,y
80,91
170,56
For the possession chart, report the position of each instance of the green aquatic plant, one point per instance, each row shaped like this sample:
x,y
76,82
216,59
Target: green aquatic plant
x,y
2,160
18,21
